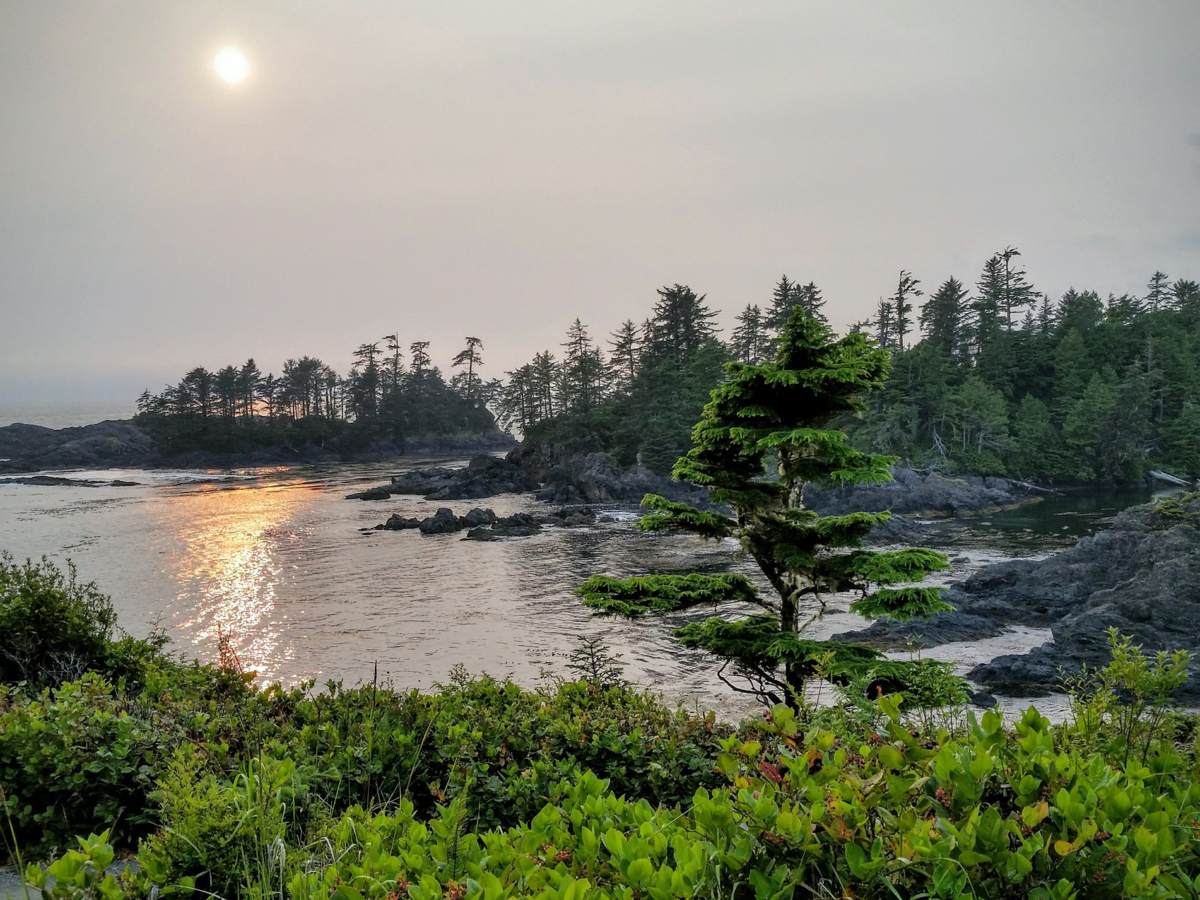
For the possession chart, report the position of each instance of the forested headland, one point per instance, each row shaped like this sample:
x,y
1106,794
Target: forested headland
x,y
385,395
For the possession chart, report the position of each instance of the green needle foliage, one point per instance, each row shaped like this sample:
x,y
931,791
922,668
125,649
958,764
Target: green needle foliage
x,y
784,410
633,597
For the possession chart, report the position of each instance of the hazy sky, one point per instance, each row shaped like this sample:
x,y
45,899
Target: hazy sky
x,y
498,168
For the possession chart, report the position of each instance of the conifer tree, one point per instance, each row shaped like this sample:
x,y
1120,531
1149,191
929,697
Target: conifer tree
x,y
902,307
784,409
942,319
624,359
1158,292
749,343
472,359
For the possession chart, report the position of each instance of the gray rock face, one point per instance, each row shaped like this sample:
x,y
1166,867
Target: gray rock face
x,y
913,493
1141,576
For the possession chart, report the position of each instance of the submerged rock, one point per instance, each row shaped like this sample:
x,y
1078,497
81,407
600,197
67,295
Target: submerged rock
x,y
1141,576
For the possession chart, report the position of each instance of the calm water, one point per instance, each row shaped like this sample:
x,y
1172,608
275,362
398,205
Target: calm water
x,y
275,559
65,414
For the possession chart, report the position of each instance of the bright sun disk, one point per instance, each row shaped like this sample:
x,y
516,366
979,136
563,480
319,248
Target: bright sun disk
x,y
231,64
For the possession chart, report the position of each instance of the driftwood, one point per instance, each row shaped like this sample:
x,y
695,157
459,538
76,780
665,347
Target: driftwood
x,y
1033,487
1169,479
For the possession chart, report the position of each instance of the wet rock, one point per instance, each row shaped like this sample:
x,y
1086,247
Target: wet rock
x,y
570,517
1141,576
477,517
982,699
444,521
370,494
397,522
481,534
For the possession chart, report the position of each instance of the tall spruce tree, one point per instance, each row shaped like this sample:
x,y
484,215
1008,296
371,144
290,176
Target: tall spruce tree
x,y
783,409
902,305
749,343
942,319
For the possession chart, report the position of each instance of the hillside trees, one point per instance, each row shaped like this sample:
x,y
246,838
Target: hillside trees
x,y
1009,381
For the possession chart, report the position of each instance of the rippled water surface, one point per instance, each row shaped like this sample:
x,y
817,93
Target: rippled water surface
x,y
276,560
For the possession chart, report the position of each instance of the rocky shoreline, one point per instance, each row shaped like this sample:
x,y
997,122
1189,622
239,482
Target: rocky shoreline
x,y
1141,577
119,443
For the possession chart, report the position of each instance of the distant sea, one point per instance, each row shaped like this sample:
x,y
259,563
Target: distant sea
x,y
65,414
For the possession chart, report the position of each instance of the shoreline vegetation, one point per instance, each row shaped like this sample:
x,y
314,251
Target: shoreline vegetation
x,y
207,785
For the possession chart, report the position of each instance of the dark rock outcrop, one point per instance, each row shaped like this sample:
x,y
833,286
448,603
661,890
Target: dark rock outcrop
x,y
914,493
485,525
1141,576
485,476
444,521
57,481
27,448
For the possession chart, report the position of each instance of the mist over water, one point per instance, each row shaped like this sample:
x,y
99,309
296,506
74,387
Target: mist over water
x,y
276,560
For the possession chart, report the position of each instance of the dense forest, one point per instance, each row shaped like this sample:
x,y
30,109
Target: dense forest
x,y
1001,379
1006,380
238,408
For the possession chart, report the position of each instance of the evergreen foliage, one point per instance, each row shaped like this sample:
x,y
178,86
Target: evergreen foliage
x,y
238,409
1011,382
785,408
632,597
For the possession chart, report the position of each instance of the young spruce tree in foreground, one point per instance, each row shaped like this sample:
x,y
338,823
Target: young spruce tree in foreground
x,y
784,409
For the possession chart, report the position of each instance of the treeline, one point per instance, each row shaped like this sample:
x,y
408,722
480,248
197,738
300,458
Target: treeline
x,y
384,395
1003,379
641,397
996,379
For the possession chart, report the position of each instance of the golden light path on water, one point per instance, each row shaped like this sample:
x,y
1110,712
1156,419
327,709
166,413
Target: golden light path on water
x,y
229,573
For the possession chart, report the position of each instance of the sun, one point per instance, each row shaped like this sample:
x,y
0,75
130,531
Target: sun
x,y
231,64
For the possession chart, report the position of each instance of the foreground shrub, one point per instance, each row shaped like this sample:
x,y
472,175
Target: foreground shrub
x,y
54,628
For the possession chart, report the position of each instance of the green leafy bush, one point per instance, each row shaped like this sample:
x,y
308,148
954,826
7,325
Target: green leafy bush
x,y
54,628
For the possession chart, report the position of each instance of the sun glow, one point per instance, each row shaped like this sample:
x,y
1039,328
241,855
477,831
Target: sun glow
x,y
231,65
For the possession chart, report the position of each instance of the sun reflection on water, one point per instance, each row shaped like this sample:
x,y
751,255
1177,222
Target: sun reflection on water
x,y
229,573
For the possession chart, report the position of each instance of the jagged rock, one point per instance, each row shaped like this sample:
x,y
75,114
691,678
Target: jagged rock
x,y
477,517
481,534
444,521
914,493
1141,576
370,494
570,517
397,522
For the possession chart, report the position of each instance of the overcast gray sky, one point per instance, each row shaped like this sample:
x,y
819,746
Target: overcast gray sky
x,y
498,168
